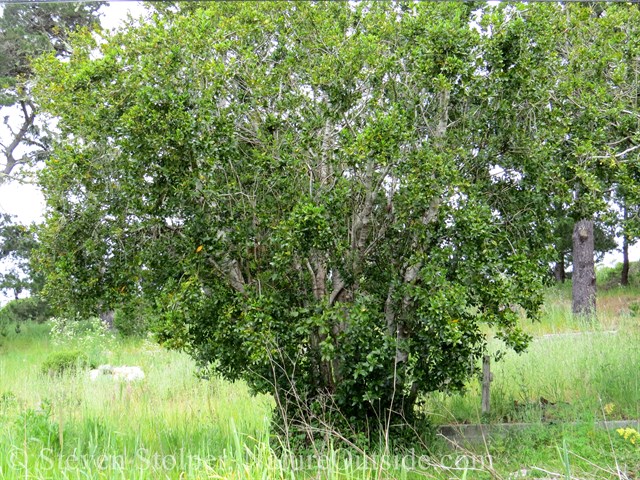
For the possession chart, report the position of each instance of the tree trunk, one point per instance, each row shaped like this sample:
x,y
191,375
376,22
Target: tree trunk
x,y
624,277
559,269
584,273
107,318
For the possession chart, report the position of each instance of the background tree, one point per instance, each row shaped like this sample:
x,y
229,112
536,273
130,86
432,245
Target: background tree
x,y
306,192
617,31
26,31
604,237
587,128
624,82
16,245
18,277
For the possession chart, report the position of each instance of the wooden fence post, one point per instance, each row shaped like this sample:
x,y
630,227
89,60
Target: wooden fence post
x,y
487,377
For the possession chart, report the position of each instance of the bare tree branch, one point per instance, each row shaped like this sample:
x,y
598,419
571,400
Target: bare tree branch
x,y
9,151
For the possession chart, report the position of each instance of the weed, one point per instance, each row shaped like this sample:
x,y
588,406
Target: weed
x,y
36,425
630,434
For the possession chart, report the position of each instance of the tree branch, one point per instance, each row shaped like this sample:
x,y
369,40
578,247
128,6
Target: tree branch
x,y
18,138
619,154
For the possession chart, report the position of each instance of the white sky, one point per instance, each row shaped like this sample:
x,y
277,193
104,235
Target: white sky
x,y
27,202
116,12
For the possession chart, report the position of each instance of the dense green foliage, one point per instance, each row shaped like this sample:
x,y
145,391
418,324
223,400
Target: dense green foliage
x,y
32,308
289,183
331,201
17,243
64,362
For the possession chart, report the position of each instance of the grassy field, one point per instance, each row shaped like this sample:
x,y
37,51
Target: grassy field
x,y
571,371
174,425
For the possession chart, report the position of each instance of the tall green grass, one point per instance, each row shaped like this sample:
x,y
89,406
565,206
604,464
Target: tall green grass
x,y
570,370
172,424
176,425
564,377
167,414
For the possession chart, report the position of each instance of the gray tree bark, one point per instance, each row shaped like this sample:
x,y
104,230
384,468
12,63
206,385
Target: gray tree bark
x,y
559,270
624,276
584,273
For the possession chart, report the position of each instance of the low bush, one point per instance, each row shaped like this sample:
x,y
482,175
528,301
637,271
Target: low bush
x,y
609,277
62,362
4,327
26,309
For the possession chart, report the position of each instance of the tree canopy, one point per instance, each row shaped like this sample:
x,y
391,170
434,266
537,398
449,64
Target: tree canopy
x,y
332,201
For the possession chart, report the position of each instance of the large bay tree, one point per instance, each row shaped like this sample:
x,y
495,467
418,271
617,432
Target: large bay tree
x,y
314,196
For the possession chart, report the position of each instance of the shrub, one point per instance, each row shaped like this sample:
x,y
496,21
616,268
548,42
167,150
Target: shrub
x,y
132,320
609,277
4,324
26,309
357,268
61,362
